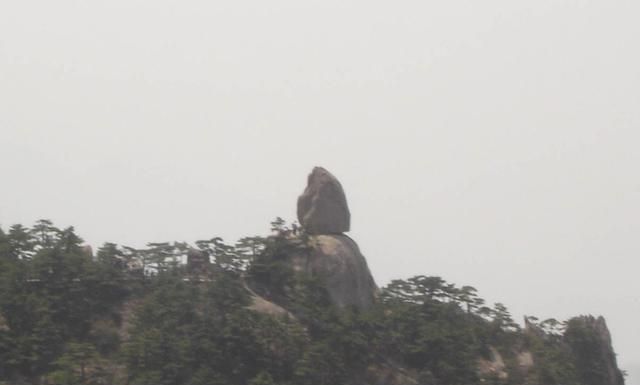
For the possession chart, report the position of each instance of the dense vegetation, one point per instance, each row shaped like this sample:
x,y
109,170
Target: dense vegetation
x,y
141,317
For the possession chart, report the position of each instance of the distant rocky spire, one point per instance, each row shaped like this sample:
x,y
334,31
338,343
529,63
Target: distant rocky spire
x,y
590,340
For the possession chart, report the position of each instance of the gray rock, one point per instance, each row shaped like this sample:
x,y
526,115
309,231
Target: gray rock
x,y
262,305
322,208
494,366
337,260
590,340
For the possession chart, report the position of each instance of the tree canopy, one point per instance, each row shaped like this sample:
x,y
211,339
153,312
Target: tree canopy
x,y
140,317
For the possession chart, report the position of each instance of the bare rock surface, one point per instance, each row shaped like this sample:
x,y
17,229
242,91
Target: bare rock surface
x,y
334,257
495,366
525,361
322,207
338,261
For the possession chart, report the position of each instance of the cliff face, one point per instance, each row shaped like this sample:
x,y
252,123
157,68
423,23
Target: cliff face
x,y
590,342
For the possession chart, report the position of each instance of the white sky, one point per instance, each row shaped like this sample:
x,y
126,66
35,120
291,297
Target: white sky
x,y
493,143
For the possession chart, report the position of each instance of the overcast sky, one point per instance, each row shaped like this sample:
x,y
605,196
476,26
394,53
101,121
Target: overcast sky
x,y
493,143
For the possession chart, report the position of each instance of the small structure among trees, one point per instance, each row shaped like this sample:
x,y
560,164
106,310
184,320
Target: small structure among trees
x,y
198,262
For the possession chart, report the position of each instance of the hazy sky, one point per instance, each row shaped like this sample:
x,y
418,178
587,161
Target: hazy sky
x,y
493,143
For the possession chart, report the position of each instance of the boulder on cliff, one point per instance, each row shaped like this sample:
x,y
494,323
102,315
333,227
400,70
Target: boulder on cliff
x,y
322,207
335,258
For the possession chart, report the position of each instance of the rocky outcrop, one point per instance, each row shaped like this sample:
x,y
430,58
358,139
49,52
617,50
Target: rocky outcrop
x,y
494,366
590,341
264,306
322,208
332,256
525,361
338,261
532,328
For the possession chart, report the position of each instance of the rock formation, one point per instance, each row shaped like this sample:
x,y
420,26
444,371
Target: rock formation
x,y
338,261
336,258
494,366
322,208
590,341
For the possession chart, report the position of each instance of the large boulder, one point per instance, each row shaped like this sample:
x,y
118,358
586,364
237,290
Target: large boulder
x,y
337,260
322,208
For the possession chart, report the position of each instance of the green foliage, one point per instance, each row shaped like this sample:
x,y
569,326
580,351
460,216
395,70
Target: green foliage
x,y
80,364
430,331
184,331
62,315
51,293
21,243
554,362
271,273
